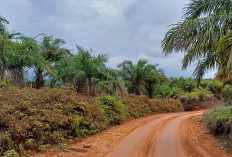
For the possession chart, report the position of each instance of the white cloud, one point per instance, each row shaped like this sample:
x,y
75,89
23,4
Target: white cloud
x,y
105,7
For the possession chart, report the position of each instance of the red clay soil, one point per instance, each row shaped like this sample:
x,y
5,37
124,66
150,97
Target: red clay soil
x,y
164,135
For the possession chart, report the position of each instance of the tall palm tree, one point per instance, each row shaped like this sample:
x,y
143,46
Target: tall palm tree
x,y
52,51
135,75
205,23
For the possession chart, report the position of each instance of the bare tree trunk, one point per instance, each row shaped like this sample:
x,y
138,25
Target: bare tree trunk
x,y
39,79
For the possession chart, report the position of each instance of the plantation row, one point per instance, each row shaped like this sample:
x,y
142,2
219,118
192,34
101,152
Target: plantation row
x,y
52,65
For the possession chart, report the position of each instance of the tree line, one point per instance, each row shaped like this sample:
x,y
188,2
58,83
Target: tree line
x,y
54,65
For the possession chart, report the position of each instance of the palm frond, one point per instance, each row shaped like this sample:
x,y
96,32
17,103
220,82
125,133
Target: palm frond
x,y
199,8
205,64
200,35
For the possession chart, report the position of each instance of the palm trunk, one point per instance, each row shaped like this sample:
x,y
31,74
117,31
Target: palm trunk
x,y
138,89
39,79
3,58
88,86
150,92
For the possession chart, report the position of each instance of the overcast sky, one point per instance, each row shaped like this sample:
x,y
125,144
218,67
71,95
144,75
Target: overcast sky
x,y
124,29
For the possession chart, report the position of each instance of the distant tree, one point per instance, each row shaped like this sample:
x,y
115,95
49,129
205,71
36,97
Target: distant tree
x,y
52,51
152,79
25,53
186,84
84,70
6,42
136,74
3,23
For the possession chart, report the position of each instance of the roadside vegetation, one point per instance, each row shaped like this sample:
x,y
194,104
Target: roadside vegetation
x,y
51,95
33,119
205,35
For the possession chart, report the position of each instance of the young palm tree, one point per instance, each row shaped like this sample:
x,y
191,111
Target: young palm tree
x,y
206,22
152,79
135,75
83,70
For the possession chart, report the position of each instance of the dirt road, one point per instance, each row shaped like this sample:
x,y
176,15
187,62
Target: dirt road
x,y
164,135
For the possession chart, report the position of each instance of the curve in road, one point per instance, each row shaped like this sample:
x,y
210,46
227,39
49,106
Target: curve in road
x,y
164,135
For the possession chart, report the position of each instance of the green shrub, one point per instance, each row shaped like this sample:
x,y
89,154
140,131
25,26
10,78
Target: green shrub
x,y
113,109
186,84
227,93
217,120
163,91
165,105
32,119
4,84
141,105
137,106
203,93
216,88
176,92
189,96
205,83
11,153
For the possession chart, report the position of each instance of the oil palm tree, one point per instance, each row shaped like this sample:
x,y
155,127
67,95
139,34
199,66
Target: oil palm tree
x,y
135,74
152,79
83,70
25,53
3,23
6,42
51,49
206,23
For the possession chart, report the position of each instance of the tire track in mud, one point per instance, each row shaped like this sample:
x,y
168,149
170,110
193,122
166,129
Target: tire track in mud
x,y
137,143
158,138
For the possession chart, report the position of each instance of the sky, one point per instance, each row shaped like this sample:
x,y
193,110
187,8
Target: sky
x,y
123,29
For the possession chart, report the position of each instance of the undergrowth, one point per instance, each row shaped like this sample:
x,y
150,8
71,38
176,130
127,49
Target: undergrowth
x,y
219,122
219,119
33,119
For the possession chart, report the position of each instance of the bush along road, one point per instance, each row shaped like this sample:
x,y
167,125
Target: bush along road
x,y
178,134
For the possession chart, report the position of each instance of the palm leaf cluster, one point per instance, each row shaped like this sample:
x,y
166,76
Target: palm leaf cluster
x,y
84,70
141,77
205,37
